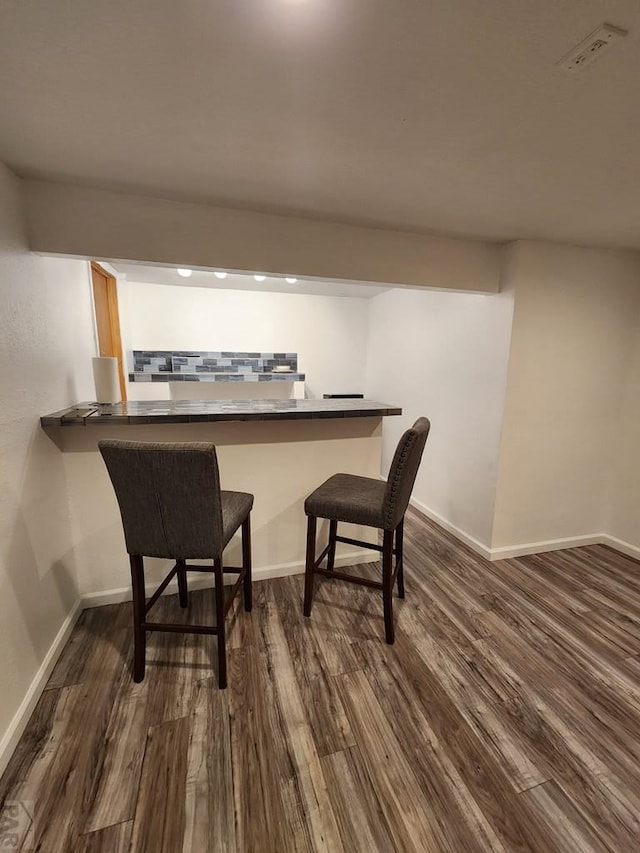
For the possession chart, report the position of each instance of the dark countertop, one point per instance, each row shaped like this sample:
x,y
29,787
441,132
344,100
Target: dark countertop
x,y
210,411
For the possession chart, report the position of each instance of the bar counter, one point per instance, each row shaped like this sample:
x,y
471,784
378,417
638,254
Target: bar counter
x,y
212,411
279,450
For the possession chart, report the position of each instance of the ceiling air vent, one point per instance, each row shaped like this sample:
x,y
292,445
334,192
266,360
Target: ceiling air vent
x,y
595,44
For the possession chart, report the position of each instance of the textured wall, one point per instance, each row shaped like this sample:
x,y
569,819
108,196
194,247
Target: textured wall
x,y
46,344
65,219
623,520
444,355
576,314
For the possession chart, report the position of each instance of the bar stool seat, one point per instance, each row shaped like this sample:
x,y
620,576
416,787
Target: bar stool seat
x,y
236,506
350,498
370,503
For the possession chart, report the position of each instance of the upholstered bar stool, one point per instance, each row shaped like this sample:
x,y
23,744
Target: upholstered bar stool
x,y
372,503
172,506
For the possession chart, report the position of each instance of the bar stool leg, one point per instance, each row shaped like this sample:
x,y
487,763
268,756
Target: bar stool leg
x,y
400,557
183,592
139,633
247,594
387,584
331,554
222,649
310,564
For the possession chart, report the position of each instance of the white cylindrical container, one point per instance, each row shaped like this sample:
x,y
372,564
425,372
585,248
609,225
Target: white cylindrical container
x,y
105,375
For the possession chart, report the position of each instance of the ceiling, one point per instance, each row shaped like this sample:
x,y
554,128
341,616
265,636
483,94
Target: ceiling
x,y
242,281
448,116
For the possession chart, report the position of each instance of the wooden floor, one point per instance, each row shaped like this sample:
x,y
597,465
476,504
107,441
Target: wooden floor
x,y
505,717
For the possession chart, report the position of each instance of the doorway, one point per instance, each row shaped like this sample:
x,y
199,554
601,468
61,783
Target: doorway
x,y
105,301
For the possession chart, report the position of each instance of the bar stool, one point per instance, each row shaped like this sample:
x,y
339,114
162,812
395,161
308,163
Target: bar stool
x,y
372,503
172,507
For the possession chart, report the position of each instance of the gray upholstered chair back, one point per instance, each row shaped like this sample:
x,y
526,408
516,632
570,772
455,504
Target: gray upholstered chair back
x,y
403,472
169,497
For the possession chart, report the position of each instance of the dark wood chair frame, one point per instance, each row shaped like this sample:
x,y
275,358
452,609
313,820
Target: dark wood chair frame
x,y
392,545
141,606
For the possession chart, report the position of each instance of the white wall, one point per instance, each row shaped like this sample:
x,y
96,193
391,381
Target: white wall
x,y
328,333
623,522
46,344
72,220
576,314
444,355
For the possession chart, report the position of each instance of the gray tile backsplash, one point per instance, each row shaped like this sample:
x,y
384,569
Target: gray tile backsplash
x,y
229,366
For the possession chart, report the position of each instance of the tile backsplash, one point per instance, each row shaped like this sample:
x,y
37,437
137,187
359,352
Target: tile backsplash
x,y
190,362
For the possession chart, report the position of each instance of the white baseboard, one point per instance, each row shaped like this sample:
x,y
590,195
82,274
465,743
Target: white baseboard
x,y
117,596
477,546
508,551
27,706
620,545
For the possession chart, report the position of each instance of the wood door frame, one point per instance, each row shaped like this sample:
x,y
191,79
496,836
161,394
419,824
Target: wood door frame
x,y
113,347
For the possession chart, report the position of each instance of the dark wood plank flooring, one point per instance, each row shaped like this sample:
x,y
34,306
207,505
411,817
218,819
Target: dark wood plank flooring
x,y
506,717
